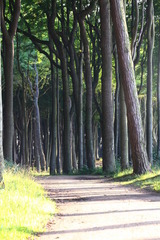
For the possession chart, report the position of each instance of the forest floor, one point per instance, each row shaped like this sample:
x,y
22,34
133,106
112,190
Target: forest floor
x,y
96,208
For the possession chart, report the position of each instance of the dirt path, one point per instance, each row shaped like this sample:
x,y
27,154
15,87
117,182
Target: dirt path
x,y
92,208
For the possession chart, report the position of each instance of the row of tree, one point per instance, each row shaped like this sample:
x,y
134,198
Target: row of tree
x,y
68,79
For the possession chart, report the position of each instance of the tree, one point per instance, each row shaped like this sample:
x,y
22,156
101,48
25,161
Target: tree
x,y
1,119
158,97
123,124
136,135
40,158
150,38
8,37
107,102
88,79
66,98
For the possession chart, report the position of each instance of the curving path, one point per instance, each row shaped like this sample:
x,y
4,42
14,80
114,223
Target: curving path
x,y
94,208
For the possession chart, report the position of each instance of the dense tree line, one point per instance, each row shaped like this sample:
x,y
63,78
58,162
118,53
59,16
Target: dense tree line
x,y
75,72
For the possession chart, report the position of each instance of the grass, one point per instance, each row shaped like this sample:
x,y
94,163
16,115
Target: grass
x,y
25,210
148,180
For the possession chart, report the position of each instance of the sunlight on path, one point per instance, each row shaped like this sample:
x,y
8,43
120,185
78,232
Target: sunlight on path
x,y
92,208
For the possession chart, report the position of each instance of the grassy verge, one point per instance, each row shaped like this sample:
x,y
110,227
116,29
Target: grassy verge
x,y
148,180
24,208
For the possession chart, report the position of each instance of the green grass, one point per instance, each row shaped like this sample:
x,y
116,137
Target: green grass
x,y
148,180
24,207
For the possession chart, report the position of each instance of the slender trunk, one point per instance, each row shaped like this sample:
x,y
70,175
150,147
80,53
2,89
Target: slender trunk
x,y
66,110
23,110
158,98
150,37
139,155
66,99
124,131
8,37
25,127
80,160
74,159
8,101
1,116
58,129
37,128
88,79
107,104
117,112
31,143
54,124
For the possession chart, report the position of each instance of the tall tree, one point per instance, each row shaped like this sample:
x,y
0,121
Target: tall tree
x,y
158,97
139,154
8,37
37,128
88,79
66,98
150,38
123,123
107,103
1,119
80,160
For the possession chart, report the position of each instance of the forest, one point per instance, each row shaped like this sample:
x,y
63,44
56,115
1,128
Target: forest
x,y
80,82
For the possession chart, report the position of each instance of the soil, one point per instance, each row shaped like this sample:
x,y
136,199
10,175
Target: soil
x,y
95,208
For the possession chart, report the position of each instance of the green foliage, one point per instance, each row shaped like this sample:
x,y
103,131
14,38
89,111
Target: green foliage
x,y
24,208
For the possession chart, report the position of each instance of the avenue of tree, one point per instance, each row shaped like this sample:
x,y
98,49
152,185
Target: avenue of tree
x,y
80,82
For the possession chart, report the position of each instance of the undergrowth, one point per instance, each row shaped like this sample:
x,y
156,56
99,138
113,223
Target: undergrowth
x,y
25,209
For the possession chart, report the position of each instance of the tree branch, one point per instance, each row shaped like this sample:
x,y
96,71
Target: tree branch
x,y
14,22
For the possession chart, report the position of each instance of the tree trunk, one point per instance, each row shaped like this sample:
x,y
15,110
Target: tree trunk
x,y
124,131
54,124
139,154
150,37
107,104
8,100
23,111
158,98
58,128
89,97
37,129
8,37
1,115
80,150
66,99
66,109
117,111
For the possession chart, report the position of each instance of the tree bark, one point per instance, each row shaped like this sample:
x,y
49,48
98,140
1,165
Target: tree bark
x,y
80,150
58,128
139,154
1,114
107,103
8,36
66,99
158,98
117,107
124,131
54,124
23,112
150,37
123,112
88,79
37,129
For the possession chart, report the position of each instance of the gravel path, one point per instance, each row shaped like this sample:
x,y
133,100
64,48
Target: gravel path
x,y
94,208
